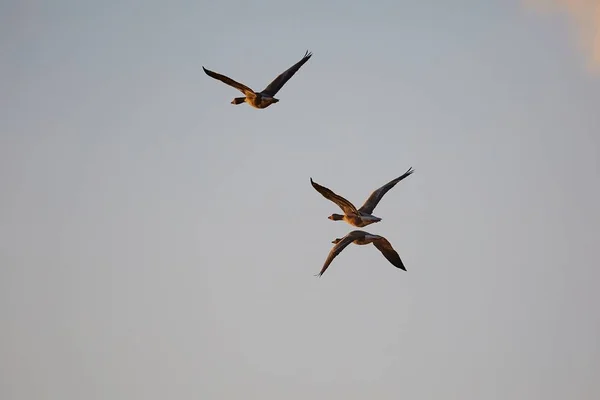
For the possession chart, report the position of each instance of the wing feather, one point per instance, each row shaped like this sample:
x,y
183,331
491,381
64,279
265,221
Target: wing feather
x,y
337,249
377,195
388,252
285,76
345,205
225,79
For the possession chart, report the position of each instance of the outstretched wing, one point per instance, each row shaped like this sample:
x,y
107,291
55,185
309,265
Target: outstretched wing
x,y
337,249
278,82
345,205
377,195
241,87
388,252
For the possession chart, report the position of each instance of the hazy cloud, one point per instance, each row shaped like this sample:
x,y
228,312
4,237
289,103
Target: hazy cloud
x,y
585,16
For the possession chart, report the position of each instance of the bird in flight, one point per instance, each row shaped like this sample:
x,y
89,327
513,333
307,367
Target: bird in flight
x,y
363,216
363,238
260,99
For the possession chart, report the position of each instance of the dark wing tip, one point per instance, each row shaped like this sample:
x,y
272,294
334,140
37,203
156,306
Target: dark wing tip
x,y
397,262
400,264
385,247
318,187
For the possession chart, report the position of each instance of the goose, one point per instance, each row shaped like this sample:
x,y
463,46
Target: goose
x,y
363,238
363,216
260,99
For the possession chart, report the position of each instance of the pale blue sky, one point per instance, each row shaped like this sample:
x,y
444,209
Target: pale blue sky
x,y
158,242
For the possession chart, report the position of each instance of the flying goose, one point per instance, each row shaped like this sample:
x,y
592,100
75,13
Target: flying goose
x,y
362,238
260,99
363,216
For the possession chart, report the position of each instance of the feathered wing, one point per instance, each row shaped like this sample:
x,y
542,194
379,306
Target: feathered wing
x,y
337,249
345,205
278,82
388,252
225,79
377,195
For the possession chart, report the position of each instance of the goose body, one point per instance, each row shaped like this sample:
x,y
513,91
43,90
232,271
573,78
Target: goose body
x,y
266,97
362,216
363,238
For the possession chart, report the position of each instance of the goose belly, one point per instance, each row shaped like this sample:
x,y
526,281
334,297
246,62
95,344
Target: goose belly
x,y
364,220
267,101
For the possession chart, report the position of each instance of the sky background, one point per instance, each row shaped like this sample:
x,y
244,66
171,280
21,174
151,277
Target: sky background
x,y
158,242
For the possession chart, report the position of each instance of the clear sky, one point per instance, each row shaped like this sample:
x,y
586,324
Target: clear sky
x,y
158,242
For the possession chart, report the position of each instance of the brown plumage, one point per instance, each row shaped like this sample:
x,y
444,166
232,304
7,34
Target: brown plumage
x,y
364,215
363,238
264,98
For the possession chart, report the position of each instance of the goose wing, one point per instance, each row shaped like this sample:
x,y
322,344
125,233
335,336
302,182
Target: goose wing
x,y
377,195
345,205
278,82
337,249
225,79
388,252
